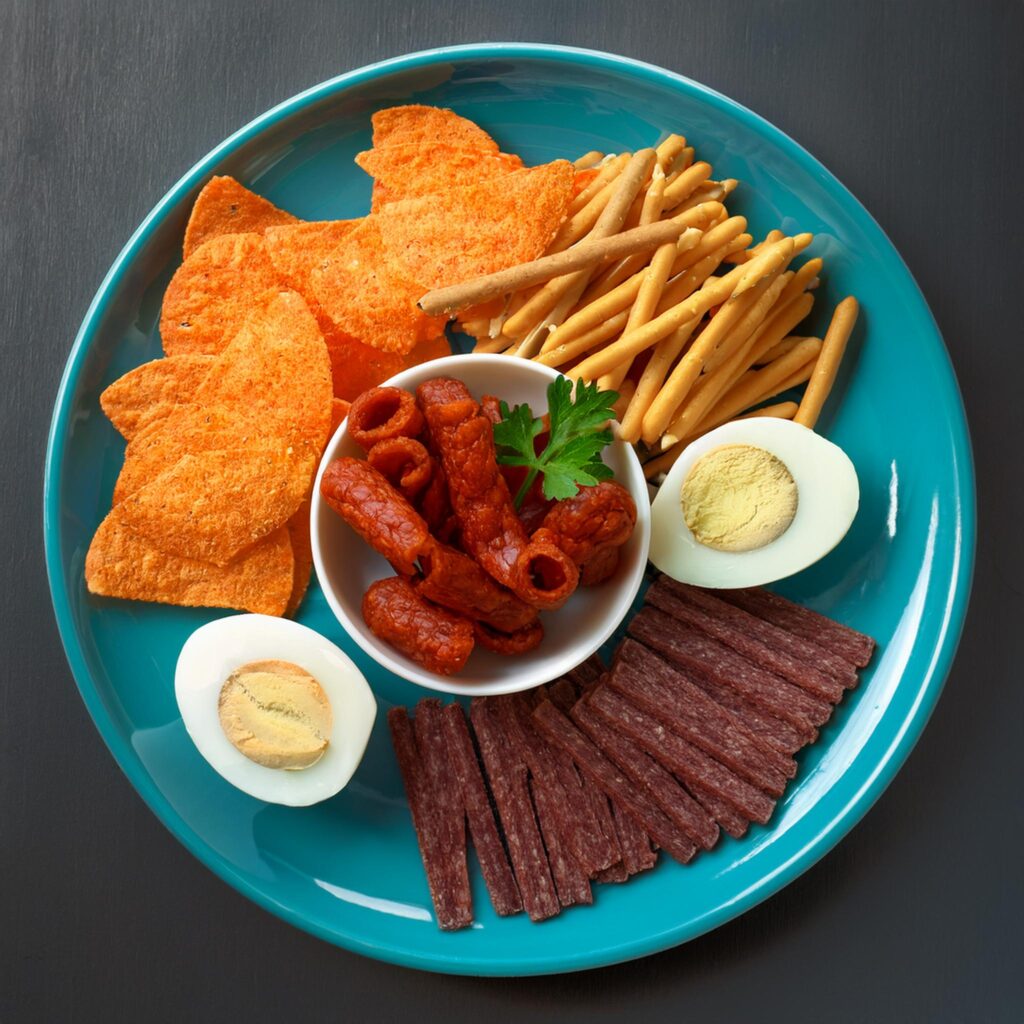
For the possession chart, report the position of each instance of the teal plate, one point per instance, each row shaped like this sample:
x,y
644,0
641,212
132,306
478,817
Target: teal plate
x,y
348,870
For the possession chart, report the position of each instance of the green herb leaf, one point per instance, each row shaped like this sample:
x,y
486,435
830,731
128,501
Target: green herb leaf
x,y
576,437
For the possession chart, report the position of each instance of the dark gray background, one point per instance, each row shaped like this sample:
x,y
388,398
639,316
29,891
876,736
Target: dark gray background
x,y
915,917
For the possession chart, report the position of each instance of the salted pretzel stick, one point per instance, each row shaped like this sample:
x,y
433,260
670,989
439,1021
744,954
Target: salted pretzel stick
x,y
701,216
685,374
732,358
717,190
654,280
747,328
778,349
758,385
667,459
605,176
588,314
588,160
804,278
588,253
745,257
713,292
583,343
627,185
653,377
684,185
668,151
832,349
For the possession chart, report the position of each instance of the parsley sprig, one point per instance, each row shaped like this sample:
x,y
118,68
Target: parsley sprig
x,y
576,437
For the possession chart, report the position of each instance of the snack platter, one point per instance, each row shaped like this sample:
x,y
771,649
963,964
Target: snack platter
x,y
664,742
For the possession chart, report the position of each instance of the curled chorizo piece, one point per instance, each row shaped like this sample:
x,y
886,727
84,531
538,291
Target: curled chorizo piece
x,y
490,529
600,566
383,413
433,503
404,463
454,581
519,642
438,639
545,576
376,511
597,517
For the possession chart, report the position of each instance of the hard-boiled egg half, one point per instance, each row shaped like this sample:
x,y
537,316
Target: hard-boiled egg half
x,y
277,710
751,502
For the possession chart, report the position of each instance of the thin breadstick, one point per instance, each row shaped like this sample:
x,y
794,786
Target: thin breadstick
x,y
653,377
832,349
745,257
758,385
588,160
766,262
490,346
532,343
748,327
606,173
632,344
646,208
701,216
780,411
581,343
802,280
717,190
684,185
627,185
654,280
690,366
778,349
586,254
475,328
668,151
728,361
795,379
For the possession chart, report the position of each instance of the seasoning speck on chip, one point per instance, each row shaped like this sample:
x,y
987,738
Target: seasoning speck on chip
x,y
738,498
276,714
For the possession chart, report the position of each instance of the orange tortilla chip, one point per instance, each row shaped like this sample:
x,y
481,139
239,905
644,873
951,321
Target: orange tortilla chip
x,y
211,506
478,229
120,563
367,297
151,391
213,293
224,207
275,373
416,125
302,552
356,367
296,249
272,382
407,171
425,351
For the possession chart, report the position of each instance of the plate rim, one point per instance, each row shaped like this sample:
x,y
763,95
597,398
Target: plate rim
x,y
890,761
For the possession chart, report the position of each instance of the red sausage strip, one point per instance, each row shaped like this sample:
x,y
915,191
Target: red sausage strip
x,y
490,530
377,512
438,639
456,582
444,858
854,647
465,768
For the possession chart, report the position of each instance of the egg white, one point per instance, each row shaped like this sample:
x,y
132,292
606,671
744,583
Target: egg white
x,y
215,650
828,495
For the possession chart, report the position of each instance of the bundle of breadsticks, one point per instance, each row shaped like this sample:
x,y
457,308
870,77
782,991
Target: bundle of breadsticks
x,y
652,289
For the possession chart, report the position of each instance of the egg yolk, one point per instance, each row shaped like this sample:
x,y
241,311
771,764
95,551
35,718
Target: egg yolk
x,y
738,498
276,714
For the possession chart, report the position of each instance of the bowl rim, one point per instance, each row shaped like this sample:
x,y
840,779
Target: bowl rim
x,y
585,644
951,615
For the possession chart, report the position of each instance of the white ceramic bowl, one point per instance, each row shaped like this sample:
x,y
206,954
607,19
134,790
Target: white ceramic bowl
x,y
346,565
